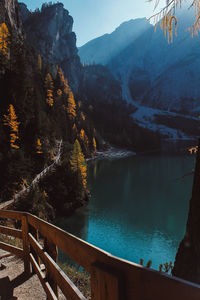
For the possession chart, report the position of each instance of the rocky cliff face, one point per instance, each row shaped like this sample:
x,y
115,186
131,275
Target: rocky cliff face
x,y
10,15
49,32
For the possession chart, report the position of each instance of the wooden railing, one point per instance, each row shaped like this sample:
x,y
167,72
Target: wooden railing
x,y
111,278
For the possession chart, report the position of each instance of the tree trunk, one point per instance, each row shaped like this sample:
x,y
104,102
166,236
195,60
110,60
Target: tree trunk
x,y
187,262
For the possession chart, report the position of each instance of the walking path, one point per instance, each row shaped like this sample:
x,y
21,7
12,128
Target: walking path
x,y
37,178
14,285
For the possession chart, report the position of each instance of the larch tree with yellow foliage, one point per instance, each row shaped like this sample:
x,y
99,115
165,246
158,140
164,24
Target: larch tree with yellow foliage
x,y
165,17
94,145
10,120
74,130
63,81
49,87
84,139
82,115
39,146
4,40
71,106
78,163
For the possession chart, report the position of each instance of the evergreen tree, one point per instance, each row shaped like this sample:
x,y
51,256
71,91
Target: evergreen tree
x,y
11,120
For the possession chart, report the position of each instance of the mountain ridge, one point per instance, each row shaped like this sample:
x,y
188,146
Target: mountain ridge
x,y
153,64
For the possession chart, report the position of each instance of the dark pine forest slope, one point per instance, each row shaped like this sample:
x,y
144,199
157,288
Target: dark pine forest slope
x,y
47,97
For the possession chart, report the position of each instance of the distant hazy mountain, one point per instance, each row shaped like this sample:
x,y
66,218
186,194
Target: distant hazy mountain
x,y
101,50
152,72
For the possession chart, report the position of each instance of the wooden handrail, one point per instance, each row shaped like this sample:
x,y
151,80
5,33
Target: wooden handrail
x,y
112,278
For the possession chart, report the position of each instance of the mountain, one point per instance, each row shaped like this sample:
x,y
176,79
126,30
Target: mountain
x,y
158,77
52,119
49,32
101,50
43,129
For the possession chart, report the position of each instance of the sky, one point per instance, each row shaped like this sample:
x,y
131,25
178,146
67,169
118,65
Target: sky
x,y
93,18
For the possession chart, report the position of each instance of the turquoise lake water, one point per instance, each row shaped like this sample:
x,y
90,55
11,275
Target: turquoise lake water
x,y
138,207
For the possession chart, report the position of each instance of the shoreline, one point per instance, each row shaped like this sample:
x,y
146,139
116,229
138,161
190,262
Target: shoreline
x,y
112,153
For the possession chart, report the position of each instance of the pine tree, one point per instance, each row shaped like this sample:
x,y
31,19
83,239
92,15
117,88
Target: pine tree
x,y
11,120
78,163
4,39
49,87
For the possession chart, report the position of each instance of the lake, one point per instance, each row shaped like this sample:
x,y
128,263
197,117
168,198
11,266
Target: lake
x,y
138,207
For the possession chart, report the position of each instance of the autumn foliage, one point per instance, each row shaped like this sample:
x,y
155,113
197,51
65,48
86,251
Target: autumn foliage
x,y
78,163
10,120
71,106
49,87
38,146
94,145
4,39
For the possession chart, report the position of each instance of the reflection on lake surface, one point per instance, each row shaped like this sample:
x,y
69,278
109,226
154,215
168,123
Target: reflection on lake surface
x,y
138,207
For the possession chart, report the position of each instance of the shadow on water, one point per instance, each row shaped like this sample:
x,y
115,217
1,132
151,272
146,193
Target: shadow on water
x,y
138,207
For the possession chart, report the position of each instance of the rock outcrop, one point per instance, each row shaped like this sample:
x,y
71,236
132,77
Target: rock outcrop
x,y
10,14
49,32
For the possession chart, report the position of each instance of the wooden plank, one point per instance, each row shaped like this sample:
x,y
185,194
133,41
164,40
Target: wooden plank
x,y
80,251
65,284
46,286
157,285
11,231
15,250
26,245
34,233
52,250
141,283
8,214
105,284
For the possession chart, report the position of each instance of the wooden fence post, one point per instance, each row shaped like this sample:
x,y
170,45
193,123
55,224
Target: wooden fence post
x,y
52,250
26,246
106,284
35,234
